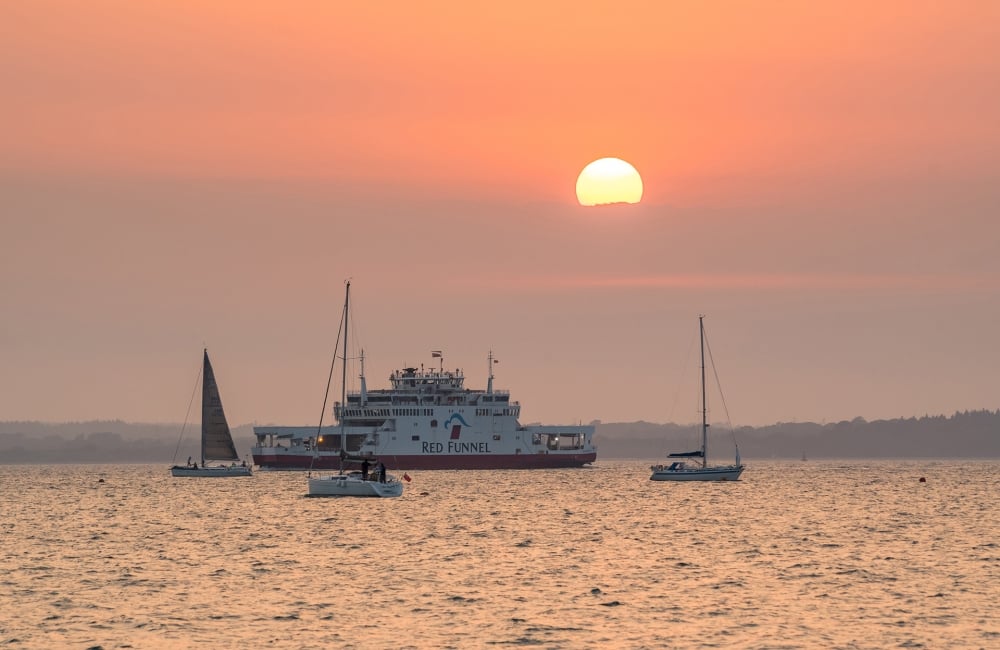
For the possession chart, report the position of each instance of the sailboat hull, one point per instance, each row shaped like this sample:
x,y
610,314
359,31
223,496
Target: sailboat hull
x,y
731,473
216,439
202,472
680,470
351,485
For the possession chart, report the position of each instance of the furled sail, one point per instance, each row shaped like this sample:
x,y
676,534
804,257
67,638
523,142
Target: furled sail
x,y
216,440
686,454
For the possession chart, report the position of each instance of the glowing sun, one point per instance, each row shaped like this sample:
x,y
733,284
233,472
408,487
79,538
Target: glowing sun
x,y
608,180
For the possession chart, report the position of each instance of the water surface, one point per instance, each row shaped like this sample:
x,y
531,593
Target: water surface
x,y
795,555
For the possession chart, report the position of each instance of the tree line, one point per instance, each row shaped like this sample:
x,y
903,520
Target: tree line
x,y
966,434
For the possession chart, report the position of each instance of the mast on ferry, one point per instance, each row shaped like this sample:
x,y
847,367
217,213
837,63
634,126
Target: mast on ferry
x,y
489,384
364,385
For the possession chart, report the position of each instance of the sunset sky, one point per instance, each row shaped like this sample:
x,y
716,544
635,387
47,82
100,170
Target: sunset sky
x,y
820,180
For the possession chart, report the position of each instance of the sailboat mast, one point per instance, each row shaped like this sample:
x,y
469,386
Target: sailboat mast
x,y
343,381
205,371
704,402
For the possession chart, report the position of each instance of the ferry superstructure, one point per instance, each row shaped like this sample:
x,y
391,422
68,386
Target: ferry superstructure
x,y
428,419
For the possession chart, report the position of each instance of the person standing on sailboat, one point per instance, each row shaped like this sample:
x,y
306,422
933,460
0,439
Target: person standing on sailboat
x,y
364,470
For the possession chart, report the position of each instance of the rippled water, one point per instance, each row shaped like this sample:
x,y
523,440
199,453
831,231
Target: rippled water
x,y
796,555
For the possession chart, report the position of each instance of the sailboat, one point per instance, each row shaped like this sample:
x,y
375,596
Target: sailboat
x,y
352,484
216,440
680,470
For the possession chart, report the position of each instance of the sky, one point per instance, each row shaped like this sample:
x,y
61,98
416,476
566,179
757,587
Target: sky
x,y
821,182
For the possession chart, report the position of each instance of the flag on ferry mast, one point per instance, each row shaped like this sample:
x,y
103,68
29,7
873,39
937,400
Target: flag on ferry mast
x,y
435,354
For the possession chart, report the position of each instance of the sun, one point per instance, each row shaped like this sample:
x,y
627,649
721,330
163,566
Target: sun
x,y
608,180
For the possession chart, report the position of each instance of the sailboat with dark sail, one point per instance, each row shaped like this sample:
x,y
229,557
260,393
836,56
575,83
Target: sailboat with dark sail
x,y
698,469
216,439
350,484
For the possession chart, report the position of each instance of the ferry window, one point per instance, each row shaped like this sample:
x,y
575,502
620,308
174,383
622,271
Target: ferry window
x,y
434,423
415,438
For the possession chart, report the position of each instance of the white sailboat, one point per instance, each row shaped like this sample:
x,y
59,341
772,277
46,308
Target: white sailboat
x,y
680,470
351,484
216,439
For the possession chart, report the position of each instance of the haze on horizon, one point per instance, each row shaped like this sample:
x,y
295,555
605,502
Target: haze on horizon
x,y
821,181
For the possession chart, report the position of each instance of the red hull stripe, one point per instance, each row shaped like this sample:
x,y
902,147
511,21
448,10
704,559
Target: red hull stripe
x,y
442,461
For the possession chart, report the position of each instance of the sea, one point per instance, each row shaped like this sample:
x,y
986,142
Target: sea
x,y
797,554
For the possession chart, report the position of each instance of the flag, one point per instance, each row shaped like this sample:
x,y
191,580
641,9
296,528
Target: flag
x,y
406,477
435,354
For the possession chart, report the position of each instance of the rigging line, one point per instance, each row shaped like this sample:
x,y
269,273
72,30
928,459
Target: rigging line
x,y
326,394
718,384
197,380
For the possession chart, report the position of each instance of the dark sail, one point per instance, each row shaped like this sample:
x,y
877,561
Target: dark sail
x,y
686,454
216,440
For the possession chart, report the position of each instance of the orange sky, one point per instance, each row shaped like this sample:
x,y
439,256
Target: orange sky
x,y
502,99
821,179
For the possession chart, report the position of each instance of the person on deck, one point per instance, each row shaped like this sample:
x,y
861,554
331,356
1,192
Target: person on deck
x,y
364,470
381,472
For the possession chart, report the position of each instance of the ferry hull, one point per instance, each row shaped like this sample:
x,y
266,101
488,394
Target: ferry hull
x,y
423,462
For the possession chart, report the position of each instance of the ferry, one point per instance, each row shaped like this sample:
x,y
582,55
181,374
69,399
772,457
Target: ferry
x,y
428,419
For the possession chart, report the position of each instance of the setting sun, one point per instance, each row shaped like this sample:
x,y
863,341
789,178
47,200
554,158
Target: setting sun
x,y
608,180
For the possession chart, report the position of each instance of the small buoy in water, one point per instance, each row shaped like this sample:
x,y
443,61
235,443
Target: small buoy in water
x,y
100,480
923,480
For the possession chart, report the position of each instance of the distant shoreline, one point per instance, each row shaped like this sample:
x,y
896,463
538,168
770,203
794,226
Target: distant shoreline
x,y
969,435
606,461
